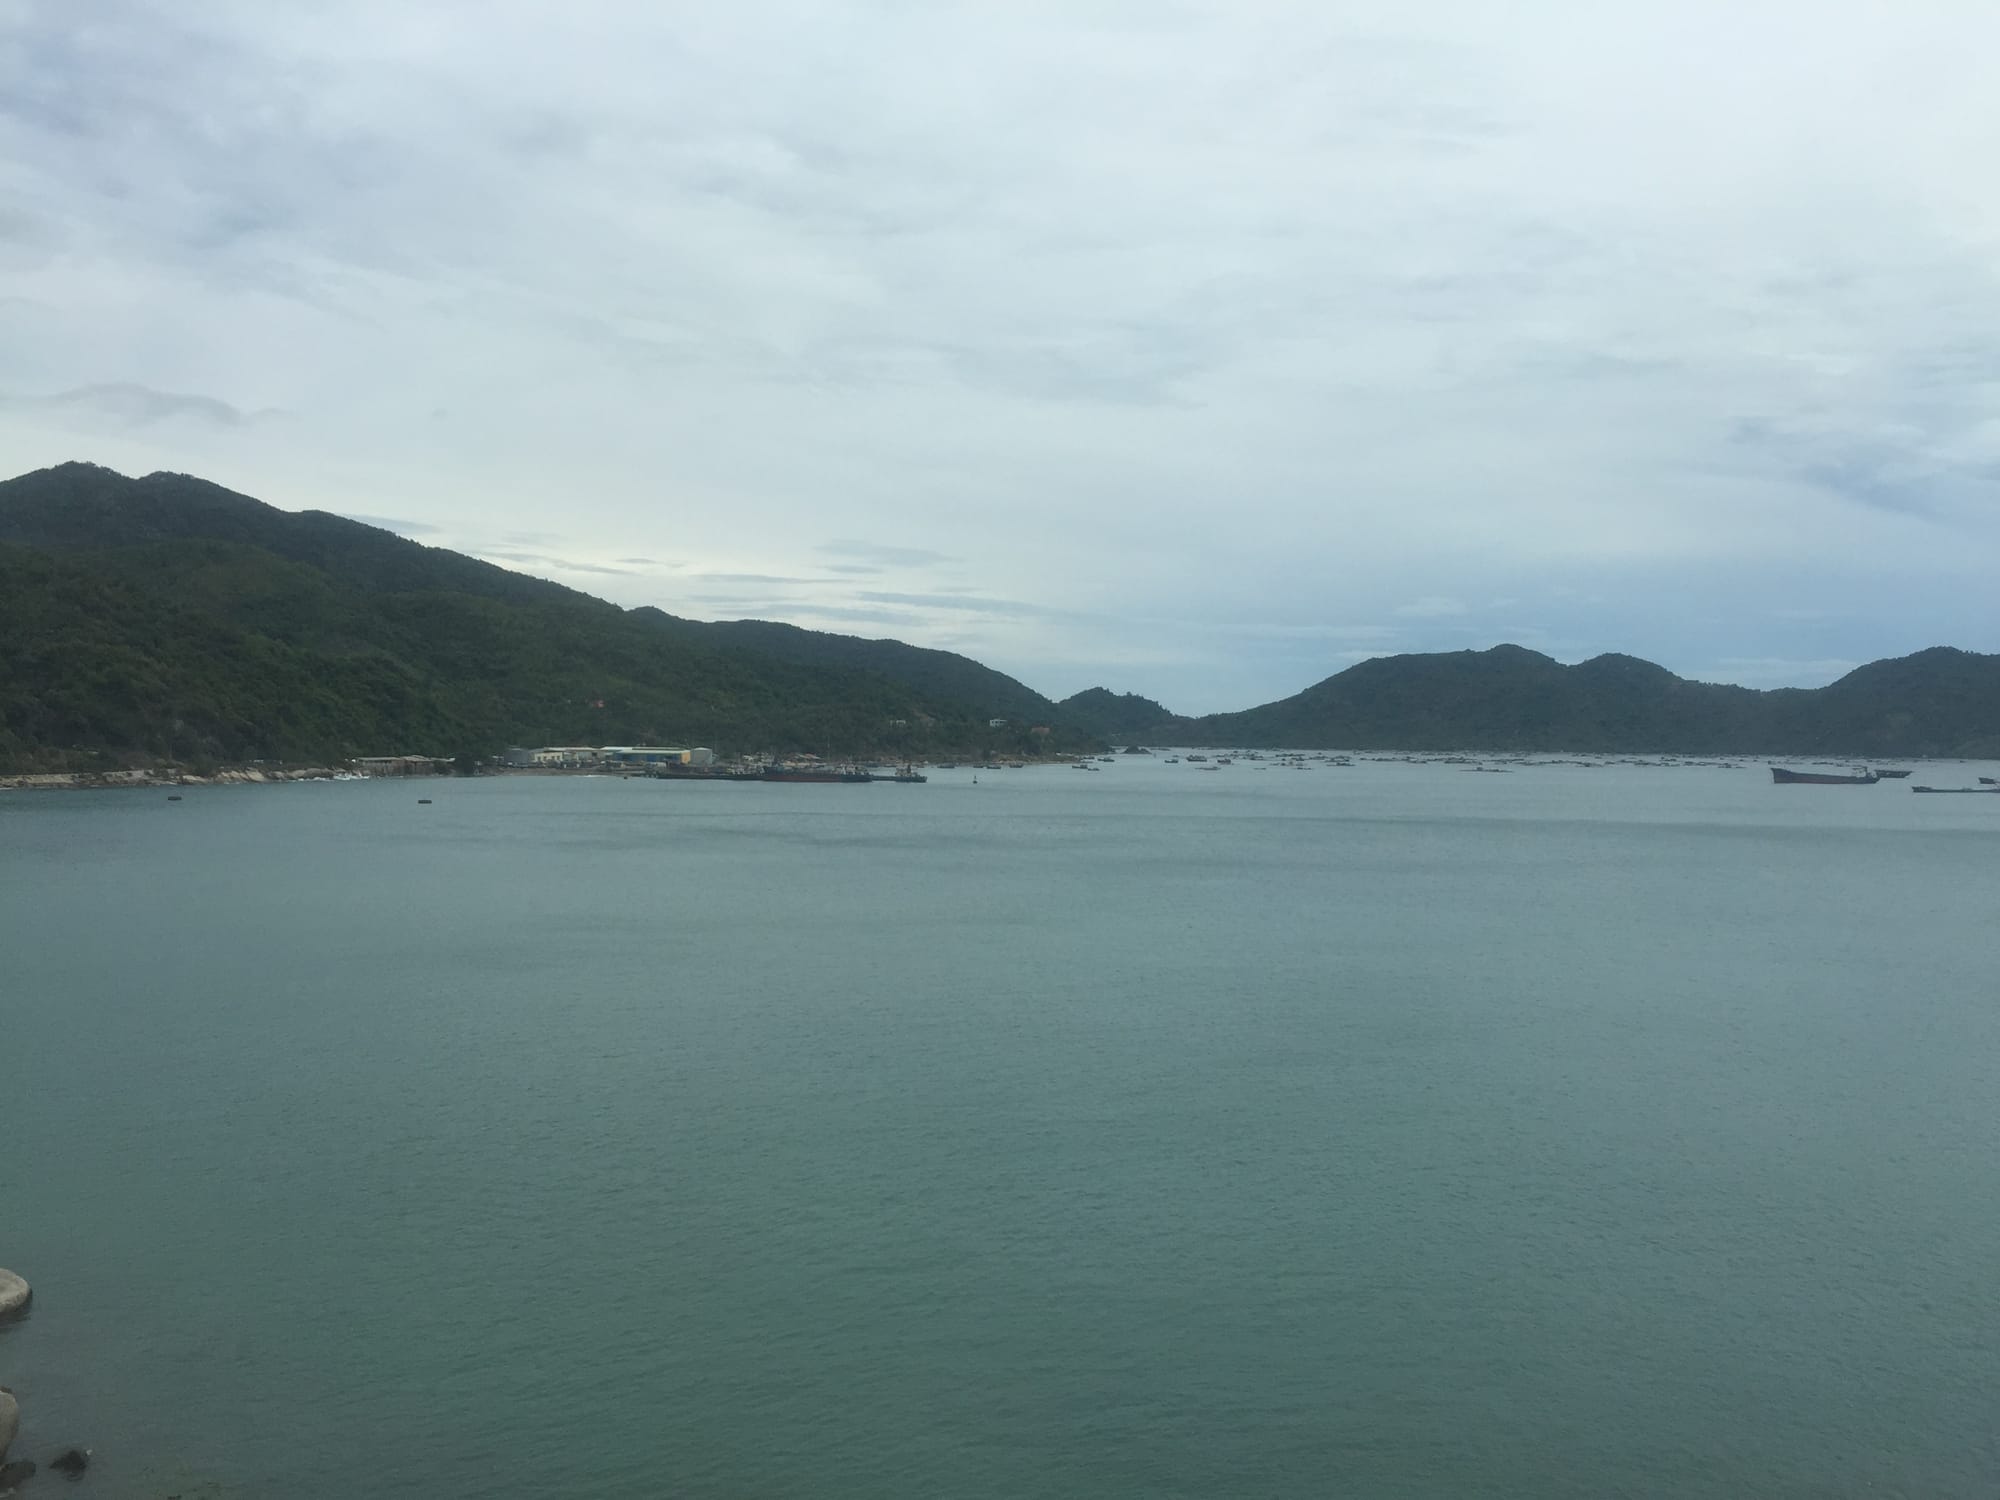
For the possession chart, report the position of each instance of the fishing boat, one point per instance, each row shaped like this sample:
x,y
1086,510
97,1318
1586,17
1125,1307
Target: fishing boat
x,y
1887,775
816,774
1991,791
1784,777
907,775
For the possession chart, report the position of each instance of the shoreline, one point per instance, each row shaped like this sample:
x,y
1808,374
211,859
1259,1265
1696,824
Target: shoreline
x,y
170,776
102,781
15,1294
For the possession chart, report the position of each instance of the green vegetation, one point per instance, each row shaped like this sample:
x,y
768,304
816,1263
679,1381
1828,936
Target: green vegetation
x,y
166,618
1937,702
1122,716
169,619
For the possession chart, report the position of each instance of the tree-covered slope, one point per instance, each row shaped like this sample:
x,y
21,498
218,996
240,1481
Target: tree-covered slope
x,y
940,674
1939,702
168,617
1121,716
171,618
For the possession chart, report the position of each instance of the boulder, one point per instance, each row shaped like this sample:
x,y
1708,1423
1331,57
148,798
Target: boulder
x,y
10,1420
12,1474
13,1293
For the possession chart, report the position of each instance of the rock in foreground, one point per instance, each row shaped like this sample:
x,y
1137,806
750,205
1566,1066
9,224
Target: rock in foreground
x,y
14,1293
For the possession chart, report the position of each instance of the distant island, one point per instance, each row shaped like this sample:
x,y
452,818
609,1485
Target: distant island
x,y
1939,702
167,620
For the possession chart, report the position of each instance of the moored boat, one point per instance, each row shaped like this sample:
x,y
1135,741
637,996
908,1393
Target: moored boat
x,y
1888,775
816,774
1991,791
1784,777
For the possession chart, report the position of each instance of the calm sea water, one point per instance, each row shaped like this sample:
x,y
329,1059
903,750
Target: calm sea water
x,y
1392,1131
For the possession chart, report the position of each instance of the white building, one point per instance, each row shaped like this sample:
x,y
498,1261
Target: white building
x,y
656,755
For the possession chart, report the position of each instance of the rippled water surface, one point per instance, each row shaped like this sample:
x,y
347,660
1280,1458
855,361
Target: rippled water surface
x,y
1384,1131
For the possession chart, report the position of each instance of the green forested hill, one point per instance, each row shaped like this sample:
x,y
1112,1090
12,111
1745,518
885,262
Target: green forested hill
x,y
944,675
1122,716
1937,702
168,617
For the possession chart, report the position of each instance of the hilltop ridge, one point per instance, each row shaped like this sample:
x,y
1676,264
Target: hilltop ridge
x,y
171,618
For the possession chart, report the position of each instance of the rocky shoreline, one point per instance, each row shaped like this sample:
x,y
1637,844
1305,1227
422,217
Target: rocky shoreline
x,y
15,1294
58,781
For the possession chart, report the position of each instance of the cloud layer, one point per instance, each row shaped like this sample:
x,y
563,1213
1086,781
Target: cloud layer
x,y
1196,349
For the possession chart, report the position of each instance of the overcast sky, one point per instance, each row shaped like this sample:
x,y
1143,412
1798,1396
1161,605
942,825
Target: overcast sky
x,y
1195,350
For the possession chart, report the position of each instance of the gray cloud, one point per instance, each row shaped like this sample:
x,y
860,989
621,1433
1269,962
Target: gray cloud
x,y
126,404
551,563
855,615
1209,329
748,578
885,555
391,523
972,604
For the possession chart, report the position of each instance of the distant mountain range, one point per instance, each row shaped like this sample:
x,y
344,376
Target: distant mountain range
x,y
168,618
1940,702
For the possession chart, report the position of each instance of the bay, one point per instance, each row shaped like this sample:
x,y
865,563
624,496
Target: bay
x,y
1390,1130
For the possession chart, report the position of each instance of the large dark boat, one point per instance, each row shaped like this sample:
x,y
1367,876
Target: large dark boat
x,y
1784,777
815,773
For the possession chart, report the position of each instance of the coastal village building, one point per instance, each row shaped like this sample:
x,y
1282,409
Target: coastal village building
x,y
576,757
655,755
520,757
400,765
